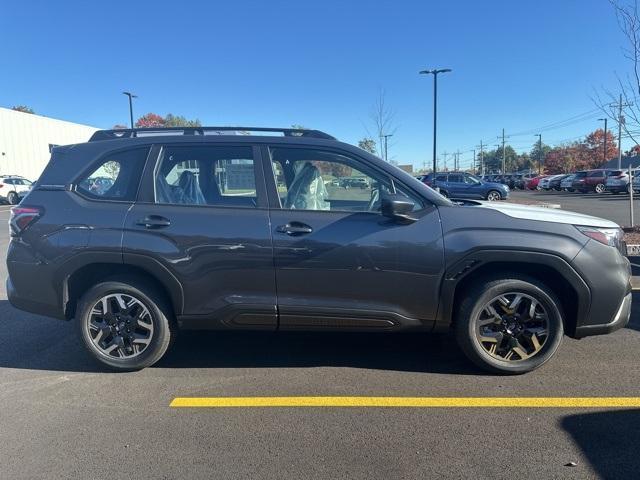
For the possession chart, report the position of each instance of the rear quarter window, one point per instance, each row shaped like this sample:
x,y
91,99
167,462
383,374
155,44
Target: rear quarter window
x,y
115,176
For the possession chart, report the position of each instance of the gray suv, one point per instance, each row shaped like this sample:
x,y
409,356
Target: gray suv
x,y
204,228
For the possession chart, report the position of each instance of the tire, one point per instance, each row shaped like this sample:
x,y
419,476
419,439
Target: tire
x,y
159,327
13,198
472,309
493,196
599,188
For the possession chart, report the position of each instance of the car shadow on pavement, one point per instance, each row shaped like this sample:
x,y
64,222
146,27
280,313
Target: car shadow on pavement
x,y
38,343
609,440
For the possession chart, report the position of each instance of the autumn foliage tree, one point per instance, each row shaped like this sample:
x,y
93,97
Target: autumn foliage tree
x,y
22,108
153,120
150,120
582,155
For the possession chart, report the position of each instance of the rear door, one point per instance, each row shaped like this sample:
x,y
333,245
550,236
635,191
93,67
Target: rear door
x,y
202,219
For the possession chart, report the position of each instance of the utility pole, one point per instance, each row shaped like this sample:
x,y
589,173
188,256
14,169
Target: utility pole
x,y
475,167
445,160
620,122
504,157
482,172
539,135
458,160
604,153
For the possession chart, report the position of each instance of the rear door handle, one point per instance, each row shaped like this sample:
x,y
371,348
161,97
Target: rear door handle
x,y
153,221
294,229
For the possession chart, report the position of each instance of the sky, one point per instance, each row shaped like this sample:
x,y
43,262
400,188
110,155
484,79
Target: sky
x,y
517,65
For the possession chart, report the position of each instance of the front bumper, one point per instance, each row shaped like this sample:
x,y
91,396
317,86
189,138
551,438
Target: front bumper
x,y
608,275
620,320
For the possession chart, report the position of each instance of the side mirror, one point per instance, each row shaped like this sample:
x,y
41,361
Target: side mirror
x,y
398,207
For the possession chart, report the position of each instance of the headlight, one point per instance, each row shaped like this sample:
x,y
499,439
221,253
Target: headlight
x,y
606,236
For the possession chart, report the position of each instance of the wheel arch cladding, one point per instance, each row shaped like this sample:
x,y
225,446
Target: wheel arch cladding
x,y
85,277
573,293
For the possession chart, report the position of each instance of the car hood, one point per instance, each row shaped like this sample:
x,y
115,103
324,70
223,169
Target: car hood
x,y
544,214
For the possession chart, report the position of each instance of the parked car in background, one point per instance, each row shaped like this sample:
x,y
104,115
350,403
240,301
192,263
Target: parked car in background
x,y
532,184
617,182
567,183
465,185
523,179
554,184
591,181
354,182
14,188
551,182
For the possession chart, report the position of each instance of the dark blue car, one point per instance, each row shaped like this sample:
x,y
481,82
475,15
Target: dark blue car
x,y
465,185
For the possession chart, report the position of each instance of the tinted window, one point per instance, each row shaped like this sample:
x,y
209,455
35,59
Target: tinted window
x,y
595,174
580,174
116,177
309,179
441,178
455,178
206,175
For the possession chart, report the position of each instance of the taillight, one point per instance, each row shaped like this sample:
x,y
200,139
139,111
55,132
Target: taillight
x,y
21,218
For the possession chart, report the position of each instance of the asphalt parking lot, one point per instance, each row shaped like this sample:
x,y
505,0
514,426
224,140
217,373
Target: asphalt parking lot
x,y
62,415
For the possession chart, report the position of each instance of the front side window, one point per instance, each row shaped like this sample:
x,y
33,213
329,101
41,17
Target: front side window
x,y
116,177
471,180
206,175
309,179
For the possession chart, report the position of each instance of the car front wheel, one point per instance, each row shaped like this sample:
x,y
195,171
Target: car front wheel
x,y
509,325
125,324
494,196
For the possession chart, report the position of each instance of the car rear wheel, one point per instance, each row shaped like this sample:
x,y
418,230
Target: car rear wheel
x,y
509,325
125,324
599,188
494,196
13,198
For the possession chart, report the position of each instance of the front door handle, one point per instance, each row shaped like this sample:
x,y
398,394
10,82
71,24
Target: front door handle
x,y
153,221
294,229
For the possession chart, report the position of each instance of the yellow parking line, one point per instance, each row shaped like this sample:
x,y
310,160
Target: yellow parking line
x,y
415,402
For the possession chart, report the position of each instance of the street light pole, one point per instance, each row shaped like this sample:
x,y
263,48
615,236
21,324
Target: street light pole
x,y
539,135
604,153
435,73
386,151
130,95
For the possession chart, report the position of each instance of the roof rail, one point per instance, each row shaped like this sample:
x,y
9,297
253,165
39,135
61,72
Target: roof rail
x,y
157,131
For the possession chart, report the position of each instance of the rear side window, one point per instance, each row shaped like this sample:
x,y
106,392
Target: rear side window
x,y
116,177
206,175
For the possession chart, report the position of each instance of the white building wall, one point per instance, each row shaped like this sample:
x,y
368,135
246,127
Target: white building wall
x,y
25,140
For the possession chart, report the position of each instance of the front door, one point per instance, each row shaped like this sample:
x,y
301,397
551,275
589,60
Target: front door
x,y
202,219
339,262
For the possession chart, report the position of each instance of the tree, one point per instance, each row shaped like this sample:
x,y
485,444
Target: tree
x,y
171,120
383,119
368,145
150,120
595,145
629,86
23,109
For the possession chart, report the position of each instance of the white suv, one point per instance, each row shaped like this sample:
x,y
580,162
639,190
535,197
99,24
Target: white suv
x,y
13,188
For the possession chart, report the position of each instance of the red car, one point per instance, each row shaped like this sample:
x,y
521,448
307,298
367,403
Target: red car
x,y
532,184
591,180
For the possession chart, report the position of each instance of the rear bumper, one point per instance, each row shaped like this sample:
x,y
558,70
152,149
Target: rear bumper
x,y
30,305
